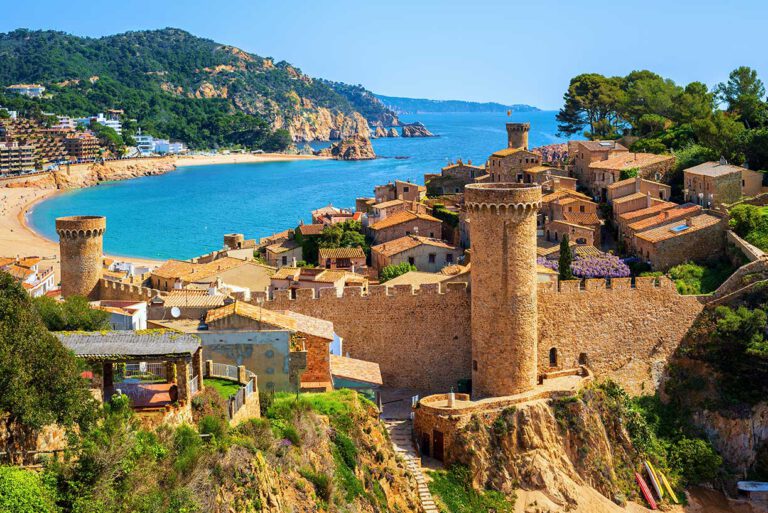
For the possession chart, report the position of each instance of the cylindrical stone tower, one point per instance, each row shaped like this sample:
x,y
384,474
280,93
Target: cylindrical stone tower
x,y
517,135
504,307
81,247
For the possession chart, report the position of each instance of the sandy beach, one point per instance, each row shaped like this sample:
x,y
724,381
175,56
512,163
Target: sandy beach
x,y
236,158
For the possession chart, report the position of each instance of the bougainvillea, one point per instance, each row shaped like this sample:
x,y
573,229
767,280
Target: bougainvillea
x,y
607,266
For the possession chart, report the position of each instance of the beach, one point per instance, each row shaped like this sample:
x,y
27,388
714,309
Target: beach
x,y
237,158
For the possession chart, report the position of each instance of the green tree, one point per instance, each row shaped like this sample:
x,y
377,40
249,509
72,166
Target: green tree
x,y
565,260
628,173
24,491
745,219
756,148
344,235
592,101
724,134
395,270
40,380
697,459
108,138
72,314
744,95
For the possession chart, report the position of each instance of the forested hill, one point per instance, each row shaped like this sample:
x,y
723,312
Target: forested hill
x,y
181,86
421,105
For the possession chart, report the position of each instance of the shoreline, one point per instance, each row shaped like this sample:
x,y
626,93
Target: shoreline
x,y
241,158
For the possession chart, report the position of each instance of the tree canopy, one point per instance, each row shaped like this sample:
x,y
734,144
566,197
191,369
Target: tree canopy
x,y
72,314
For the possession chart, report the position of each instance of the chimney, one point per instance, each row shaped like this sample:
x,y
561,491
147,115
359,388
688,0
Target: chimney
x,y
293,262
689,221
638,183
451,399
648,200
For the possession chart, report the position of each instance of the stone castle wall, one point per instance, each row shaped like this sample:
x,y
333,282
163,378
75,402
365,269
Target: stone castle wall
x,y
113,291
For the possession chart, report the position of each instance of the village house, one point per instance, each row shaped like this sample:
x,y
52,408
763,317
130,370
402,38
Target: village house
x,y
348,259
571,213
718,183
285,252
311,230
222,272
696,238
584,153
627,218
405,223
364,204
634,201
636,185
329,214
603,173
667,215
124,315
37,280
294,278
189,304
507,165
453,178
427,254
400,190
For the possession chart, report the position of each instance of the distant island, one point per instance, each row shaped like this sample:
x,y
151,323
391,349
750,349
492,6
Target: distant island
x,y
423,105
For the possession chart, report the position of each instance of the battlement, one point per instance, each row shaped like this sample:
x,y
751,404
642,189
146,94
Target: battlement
x,y
502,198
600,284
374,291
518,127
113,290
81,226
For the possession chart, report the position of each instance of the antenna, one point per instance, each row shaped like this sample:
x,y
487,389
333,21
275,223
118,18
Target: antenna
x,y
175,312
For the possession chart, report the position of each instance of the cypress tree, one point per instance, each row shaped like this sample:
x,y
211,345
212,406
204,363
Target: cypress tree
x,y
564,262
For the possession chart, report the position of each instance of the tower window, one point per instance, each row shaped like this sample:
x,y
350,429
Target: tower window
x,y
553,357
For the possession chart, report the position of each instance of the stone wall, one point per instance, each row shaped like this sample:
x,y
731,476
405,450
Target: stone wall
x,y
625,333
114,291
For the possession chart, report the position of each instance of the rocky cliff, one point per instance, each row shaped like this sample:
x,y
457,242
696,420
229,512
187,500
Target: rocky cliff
x,y
392,133
416,130
351,148
322,124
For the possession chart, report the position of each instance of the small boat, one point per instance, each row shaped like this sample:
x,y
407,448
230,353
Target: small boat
x,y
645,491
654,480
669,489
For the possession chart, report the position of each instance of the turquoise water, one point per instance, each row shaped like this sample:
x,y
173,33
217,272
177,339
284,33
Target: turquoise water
x,y
186,212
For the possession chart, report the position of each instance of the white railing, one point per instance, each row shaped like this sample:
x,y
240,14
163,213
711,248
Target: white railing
x,y
194,385
143,369
223,370
249,387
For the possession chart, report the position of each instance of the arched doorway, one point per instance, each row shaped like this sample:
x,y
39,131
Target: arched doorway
x,y
553,357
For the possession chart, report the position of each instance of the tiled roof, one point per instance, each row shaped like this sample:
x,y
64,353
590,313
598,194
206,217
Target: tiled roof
x,y
397,246
586,250
311,325
630,197
417,278
665,232
283,246
629,181
191,299
329,209
282,319
6,261
714,169
331,276
188,271
671,214
128,344
602,145
18,272
631,160
540,269
29,261
286,273
506,152
582,218
404,216
311,229
324,253
390,203
538,169
563,193
355,370
654,209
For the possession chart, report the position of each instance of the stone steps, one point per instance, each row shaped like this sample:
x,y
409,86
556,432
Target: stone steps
x,y
400,435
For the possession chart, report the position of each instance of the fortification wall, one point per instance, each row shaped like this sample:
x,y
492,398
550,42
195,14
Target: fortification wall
x,y
419,339
113,291
623,332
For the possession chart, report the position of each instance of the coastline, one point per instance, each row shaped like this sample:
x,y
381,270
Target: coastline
x,y
19,238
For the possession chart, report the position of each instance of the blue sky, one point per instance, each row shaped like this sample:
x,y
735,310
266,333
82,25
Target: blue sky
x,y
506,51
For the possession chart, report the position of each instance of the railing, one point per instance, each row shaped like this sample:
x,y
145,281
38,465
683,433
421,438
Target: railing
x,y
238,399
194,385
143,369
223,370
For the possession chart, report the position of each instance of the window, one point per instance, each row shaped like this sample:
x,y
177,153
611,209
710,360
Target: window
x,y
285,260
553,357
406,189
411,261
474,365
407,232
431,235
432,257
449,258
583,360
581,208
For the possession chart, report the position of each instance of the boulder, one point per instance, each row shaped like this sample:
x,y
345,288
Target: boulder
x,y
416,130
392,133
334,134
380,132
351,148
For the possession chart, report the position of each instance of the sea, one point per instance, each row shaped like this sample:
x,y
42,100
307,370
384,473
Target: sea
x,y
185,213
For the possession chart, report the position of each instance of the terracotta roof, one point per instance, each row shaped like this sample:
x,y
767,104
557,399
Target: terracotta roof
x,y
602,145
18,272
630,197
188,271
563,193
462,164
671,214
286,273
404,216
666,231
586,250
583,218
331,276
356,370
538,169
631,160
653,209
324,253
283,246
311,229
506,152
191,299
282,319
29,261
629,181
397,246
390,203
6,261
714,169
328,209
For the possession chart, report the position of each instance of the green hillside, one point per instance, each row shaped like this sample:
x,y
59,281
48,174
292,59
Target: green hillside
x,y
174,84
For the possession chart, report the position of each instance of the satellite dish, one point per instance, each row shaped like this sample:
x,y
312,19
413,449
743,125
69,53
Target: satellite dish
x,y
175,312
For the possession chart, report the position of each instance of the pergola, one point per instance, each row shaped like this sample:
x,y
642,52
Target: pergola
x,y
181,355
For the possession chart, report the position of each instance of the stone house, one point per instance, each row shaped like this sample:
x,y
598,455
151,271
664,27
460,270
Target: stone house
x,y
507,165
627,218
718,183
427,254
330,215
696,238
579,233
602,174
405,191
178,274
666,216
584,153
286,252
572,213
452,178
295,278
405,223
342,258
634,201
629,186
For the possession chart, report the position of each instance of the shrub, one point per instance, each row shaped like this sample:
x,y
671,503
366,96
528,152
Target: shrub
x,y
453,490
214,425
321,482
23,491
291,434
259,432
347,449
188,447
696,459
394,270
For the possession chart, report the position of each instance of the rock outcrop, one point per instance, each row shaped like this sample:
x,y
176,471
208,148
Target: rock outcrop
x,y
320,124
392,133
351,148
416,130
380,132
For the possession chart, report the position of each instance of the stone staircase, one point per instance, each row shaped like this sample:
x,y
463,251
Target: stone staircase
x,y
400,434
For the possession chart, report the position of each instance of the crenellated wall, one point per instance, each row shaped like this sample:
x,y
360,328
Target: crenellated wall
x,y
110,290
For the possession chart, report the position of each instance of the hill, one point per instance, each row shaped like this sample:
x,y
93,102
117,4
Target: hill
x,y
421,105
184,87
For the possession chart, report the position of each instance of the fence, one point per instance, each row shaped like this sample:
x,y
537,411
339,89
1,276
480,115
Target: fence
x,y
222,370
142,370
194,385
238,399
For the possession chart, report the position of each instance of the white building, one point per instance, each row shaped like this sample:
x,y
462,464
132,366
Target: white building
x,y
112,122
31,90
36,281
124,315
148,145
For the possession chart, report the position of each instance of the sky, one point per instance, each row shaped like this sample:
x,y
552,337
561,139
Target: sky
x,y
480,50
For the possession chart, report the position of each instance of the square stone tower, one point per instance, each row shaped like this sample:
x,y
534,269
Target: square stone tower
x,y
517,135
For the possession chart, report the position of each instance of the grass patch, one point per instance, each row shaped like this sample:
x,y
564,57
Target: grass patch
x,y
693,278
338,406
454,493
224,387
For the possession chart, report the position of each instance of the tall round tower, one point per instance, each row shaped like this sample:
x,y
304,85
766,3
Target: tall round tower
x,y
504,307
517,135
81,247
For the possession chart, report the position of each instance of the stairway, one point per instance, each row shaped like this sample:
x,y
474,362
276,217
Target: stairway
x,y
400,434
